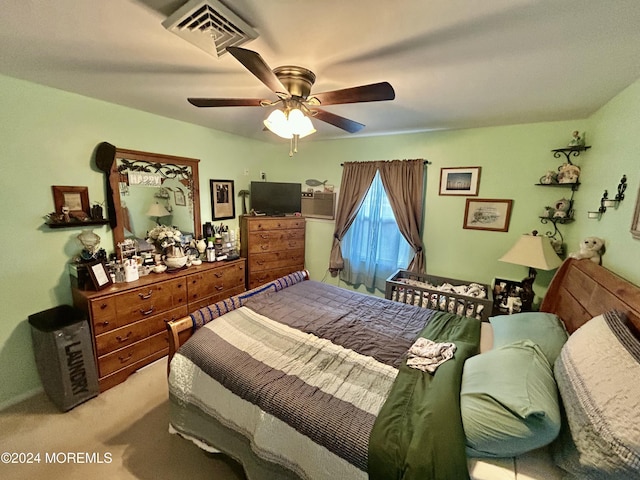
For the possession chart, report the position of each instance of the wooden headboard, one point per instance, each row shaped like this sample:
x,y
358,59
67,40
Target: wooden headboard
x,y
581,289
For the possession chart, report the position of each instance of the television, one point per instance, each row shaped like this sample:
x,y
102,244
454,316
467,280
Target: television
x,y
276,198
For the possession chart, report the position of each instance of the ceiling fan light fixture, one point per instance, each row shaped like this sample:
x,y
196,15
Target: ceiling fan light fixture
x,y
286,125
306,127
277,122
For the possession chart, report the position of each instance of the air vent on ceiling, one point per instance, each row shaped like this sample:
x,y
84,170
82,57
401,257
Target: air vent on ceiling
x,y
210,26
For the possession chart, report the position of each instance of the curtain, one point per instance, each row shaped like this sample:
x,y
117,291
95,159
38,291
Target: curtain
x,y
356,179
404,183
373,247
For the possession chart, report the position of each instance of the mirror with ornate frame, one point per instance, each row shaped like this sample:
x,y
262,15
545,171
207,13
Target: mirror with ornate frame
x,y
145,189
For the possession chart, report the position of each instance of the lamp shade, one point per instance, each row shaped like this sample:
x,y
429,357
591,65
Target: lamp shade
x,y
286,125
157,210
277,123
533,251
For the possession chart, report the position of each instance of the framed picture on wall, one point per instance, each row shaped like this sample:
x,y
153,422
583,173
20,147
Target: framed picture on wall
x,y
461,181
223,204
180,199
76,199
635,224
487,214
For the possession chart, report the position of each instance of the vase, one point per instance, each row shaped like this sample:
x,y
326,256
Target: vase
x,y
174,257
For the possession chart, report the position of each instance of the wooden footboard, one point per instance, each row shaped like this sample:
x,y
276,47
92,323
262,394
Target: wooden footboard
x,y
179,332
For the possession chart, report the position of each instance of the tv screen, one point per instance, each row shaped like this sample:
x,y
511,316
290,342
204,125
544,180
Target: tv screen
x,y
276,198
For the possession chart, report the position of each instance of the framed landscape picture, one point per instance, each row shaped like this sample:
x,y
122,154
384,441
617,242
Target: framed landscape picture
x,y
487,214
461,181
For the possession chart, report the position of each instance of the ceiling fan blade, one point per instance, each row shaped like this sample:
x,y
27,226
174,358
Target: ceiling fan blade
x,y
350,126
374,92
253,62
225,102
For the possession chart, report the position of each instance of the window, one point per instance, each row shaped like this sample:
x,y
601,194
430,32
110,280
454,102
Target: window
x,y
373,248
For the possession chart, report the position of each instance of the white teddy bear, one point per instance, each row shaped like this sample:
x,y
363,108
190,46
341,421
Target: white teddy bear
x,y
591,248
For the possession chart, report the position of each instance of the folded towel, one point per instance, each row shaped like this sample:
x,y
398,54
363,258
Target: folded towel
x,y
427,355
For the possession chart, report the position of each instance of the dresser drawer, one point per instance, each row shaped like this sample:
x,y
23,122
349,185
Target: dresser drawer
x,y
144,302
258,278
274,224
214,282
159,342
103,314
122,358
277,235
267,261
274,245
121,337
158,323
206,301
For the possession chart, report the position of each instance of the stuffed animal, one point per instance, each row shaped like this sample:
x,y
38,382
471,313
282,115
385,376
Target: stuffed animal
x,y
568,173
591,248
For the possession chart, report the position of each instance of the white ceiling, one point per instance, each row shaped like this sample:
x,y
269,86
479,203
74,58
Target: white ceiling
x,y
452,63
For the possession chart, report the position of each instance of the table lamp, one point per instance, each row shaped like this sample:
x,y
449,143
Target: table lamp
x,y
157,210
533,251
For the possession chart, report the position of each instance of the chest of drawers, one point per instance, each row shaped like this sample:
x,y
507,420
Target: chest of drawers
x,y
273,246
128,320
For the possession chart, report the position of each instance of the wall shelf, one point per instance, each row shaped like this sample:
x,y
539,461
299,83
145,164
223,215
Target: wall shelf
x,y
573,186
569,152
77,224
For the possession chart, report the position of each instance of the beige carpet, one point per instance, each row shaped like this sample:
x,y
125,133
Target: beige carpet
x,y
129,422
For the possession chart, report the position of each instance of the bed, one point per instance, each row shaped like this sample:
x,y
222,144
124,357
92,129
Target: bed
x,y
358,410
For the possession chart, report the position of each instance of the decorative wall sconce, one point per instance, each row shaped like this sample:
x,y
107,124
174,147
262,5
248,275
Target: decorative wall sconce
x,y
606,202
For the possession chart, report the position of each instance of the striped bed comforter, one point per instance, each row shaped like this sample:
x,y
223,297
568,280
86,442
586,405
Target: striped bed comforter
x,y
318,360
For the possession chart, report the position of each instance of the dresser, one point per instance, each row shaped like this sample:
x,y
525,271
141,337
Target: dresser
x,y
128,320
273,247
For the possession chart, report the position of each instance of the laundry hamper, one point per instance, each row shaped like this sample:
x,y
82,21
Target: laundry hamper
x,y
64,355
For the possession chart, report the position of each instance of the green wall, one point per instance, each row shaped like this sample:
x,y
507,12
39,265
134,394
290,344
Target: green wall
x,y
47,137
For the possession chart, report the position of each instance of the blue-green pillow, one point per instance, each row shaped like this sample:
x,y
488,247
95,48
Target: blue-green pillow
x,y
544,329
509,401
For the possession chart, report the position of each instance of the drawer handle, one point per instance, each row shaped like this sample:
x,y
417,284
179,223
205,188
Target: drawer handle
x,y
218,274
260,262
125,359
292,244
103,306
125,338
105,323
147,312
264,247
145,296
219,287
264,235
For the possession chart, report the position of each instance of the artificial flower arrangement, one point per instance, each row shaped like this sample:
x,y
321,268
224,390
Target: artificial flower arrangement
x,y
163,236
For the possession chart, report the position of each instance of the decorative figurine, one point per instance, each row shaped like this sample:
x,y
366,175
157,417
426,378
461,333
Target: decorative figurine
x,y
576,139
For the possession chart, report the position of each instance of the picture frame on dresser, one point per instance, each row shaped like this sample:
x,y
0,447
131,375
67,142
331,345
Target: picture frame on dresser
x,y
100,278
507,297
223,206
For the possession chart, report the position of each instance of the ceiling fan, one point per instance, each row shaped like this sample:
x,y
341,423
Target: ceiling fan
x,y
292,85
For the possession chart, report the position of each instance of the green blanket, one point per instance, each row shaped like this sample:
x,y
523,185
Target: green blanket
x,y
418,433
